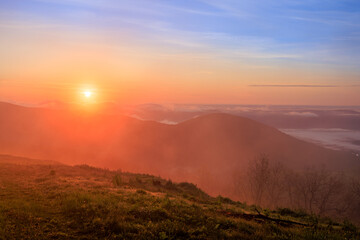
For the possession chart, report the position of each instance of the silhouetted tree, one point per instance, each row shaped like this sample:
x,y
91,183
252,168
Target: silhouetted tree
x,y
258,177
314,189
275,189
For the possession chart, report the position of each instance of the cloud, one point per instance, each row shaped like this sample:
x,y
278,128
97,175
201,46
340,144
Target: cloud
x,y
333,138
255,34
350,114
229,8
168,122
25,25
136,117
302,114
293,85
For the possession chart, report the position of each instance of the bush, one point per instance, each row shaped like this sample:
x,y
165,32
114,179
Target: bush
x,y
170,186
192,189
117,180
349,227
226,200
156,182
140,191
292,213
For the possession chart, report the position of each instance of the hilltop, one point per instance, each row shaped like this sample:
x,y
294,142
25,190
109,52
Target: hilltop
x,y
46,200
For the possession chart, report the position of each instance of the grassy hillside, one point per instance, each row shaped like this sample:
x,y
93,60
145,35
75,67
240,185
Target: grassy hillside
x,y
47,200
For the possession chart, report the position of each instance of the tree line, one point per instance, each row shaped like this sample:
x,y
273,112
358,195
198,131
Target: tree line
x,y
315,190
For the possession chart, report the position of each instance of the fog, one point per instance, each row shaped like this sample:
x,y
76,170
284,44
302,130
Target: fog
x,y
333,138
335,127
210,150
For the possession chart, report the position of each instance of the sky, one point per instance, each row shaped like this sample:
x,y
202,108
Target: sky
x,y
302,52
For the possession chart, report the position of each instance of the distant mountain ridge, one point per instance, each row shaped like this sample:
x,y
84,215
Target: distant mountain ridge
x,y
207,150
279,116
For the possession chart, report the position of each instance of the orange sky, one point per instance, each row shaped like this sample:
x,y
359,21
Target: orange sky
x,y
45,58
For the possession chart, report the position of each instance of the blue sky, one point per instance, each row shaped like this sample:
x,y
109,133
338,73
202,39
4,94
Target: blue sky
x,y
326,31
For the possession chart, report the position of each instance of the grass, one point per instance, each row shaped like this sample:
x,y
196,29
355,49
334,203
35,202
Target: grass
x,y
43,201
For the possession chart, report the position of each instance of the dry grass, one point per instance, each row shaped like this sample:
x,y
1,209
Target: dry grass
x,y
54,201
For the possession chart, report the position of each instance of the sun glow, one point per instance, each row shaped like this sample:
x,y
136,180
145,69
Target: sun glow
x,y
87,93
88,97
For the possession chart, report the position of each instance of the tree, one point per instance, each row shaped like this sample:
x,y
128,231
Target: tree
x,y
276,184
258,177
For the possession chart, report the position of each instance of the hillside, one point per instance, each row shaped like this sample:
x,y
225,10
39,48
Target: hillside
x,y
45,200
201,150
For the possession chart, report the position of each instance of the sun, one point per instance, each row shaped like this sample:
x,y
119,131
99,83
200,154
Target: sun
x,y
87,93
87,96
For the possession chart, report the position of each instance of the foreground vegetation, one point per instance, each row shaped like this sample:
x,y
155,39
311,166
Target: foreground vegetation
x,y
46,200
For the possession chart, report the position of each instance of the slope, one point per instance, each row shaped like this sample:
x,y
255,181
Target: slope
x,y
207,150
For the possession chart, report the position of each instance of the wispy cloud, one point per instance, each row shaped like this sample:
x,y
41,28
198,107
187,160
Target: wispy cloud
x,y
301,85
302,114
325,21
293,85
229,8
242,39
27,25
143,7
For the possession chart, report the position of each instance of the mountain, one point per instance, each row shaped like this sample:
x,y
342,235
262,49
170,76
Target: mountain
x,y
208,150
278,116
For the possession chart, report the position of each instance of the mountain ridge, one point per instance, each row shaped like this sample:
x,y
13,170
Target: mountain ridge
x,y
201,150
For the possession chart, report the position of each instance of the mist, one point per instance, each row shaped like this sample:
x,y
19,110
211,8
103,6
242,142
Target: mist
x,y
209,150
